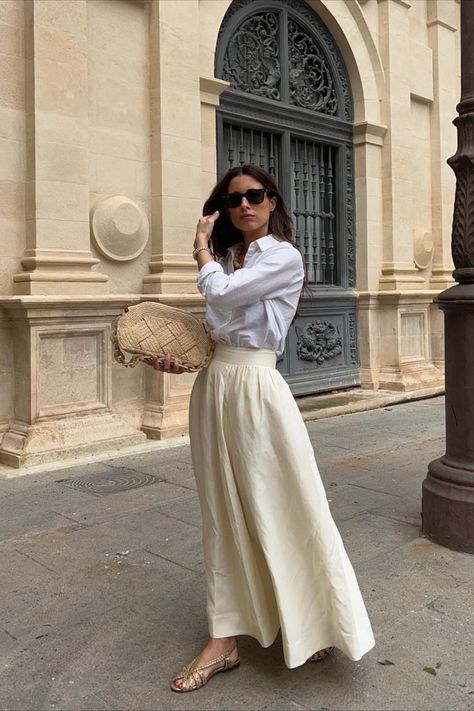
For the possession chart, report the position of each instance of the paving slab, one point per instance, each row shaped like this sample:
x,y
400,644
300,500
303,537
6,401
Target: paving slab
x,y
103,595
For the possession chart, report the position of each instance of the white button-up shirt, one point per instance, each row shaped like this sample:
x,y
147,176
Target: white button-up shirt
x,y
253,307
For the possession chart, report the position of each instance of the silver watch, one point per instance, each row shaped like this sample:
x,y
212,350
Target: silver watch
x,y
200,249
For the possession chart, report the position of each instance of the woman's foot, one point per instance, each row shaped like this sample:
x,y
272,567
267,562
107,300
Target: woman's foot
x,y
217,656
322,654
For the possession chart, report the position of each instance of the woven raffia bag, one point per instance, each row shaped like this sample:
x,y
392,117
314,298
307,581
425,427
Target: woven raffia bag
x,y
153,329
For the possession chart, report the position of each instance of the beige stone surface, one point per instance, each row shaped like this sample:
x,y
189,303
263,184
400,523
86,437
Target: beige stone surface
x,y
119,122
6,374
119,97
62,370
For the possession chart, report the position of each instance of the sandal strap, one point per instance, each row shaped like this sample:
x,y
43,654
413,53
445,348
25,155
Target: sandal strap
x,y
192,676
221,658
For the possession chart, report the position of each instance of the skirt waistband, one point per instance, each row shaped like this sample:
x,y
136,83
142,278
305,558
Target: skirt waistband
x,y
244,356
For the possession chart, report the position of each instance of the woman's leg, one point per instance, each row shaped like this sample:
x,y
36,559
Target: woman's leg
x,y
221,649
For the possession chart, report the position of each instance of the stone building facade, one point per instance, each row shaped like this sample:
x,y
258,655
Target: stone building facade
x,y
115,117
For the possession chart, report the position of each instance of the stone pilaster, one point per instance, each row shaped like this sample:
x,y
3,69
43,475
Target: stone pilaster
x,y
183,165
175,145
398,270
368,147
57,259
443,23
167,396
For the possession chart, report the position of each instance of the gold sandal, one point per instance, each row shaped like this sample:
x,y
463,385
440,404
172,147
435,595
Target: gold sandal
x,y
322,654
193,678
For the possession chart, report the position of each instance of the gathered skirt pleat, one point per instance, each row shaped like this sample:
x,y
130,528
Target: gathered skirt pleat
x,y
273,555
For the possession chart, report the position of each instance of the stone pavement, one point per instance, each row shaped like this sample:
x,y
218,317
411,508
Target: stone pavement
x,y
103,595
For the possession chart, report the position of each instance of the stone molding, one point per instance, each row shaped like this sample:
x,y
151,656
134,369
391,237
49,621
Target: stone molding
x,y
53,258
366,132
170,270
370,299
404,3
442,23
211,88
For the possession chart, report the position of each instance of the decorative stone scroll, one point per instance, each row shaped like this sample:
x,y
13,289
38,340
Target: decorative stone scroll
x,y
252,62
310,80
318,341
313,75
120,228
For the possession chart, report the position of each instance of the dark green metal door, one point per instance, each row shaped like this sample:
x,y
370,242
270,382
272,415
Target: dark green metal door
x,y
289,110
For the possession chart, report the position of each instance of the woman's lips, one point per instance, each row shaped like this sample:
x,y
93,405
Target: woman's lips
x,y
247,217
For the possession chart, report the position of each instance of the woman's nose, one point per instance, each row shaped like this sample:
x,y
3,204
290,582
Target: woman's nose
x,y
244,202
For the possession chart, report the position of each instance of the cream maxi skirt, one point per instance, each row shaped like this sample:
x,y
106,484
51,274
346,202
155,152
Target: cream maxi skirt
x,y
274,557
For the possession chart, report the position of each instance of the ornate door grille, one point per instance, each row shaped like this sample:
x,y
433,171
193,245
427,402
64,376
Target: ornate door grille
x,y
289,110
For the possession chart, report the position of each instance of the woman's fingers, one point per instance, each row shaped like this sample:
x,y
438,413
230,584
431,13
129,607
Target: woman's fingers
x,y
205,224
167,364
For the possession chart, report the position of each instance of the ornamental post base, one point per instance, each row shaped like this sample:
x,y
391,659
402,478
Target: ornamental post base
x,y
448,508
448,490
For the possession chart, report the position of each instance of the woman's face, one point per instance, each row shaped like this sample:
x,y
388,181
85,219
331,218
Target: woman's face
x,y
251,219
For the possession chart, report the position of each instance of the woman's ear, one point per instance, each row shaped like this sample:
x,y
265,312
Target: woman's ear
x,y
273,203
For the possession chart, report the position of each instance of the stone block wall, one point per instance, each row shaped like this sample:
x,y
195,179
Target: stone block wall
x,y
108,149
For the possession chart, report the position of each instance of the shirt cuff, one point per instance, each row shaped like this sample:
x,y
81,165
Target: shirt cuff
x,y
207,269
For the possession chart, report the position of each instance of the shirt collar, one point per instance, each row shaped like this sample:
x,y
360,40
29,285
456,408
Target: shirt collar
x,y
262,243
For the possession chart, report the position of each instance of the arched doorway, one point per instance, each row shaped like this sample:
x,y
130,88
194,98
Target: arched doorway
x,y
289,109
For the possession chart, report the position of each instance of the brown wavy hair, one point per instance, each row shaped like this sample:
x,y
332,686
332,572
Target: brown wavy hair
x,y
224,234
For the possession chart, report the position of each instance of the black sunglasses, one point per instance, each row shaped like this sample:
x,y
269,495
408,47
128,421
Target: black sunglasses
x,y
254,196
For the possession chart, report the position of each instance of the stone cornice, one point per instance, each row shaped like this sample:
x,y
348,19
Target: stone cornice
x,y
100,304
442,23
211,88
365,132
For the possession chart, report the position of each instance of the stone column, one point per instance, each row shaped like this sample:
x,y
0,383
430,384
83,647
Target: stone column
x,y
368,147
442,24
448,490
57,259
175,192
398,270
175,145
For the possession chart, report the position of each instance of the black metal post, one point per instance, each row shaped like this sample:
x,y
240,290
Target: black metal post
x,y
448,490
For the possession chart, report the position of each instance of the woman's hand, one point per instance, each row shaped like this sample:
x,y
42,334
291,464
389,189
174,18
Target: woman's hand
x,y
168,364
204,229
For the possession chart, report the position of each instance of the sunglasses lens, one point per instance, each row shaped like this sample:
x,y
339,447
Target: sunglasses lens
x,y
234,199
254,196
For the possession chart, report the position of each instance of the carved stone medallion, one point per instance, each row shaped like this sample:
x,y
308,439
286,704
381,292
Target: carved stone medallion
x,y
318,341
119,227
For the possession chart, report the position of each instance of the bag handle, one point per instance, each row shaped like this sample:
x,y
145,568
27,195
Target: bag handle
x,y
118,354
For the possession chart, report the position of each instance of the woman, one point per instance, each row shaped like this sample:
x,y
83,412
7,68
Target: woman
x,y
274,558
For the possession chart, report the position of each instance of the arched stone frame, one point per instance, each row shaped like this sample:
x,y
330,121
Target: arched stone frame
x,y
346,23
